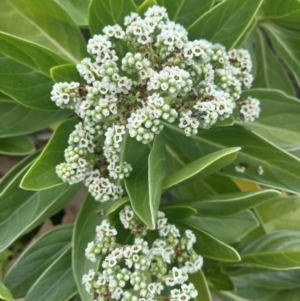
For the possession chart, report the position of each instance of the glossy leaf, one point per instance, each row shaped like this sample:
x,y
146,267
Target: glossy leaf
x,y
186,12
199,281
177,212
281,170
231,203
84,232
201,167
16,146
277,250
285,12
56,283
41,174
226,23
25,72
36,259
270,72
145,182
272,279
227,229
65,73
22,210
108,12
208,246
16,120
45,23
5,294
287,44
279,118
280,213
77,9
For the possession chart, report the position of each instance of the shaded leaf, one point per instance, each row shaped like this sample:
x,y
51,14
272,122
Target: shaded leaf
x,y
41,174
45,23
65,73
270,73
201,167
16,120
108,12
145,182
281,170
199,281
186,12
177,212
145,5
226,23
277,250
114,209
36,259
16,146
287,44
84,232
56,283
220,281
25,72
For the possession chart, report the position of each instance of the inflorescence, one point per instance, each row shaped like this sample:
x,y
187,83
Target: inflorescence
x,y
140,272
163,77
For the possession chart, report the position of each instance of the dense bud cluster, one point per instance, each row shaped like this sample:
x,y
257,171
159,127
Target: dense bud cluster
x,y
162,78
140,272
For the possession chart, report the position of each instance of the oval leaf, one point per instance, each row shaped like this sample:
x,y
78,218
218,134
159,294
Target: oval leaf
x,y
41,174
199,281
177,212
5,294
16,146
65,73
36,259
45,23
226,23
277,250
201,168
25,72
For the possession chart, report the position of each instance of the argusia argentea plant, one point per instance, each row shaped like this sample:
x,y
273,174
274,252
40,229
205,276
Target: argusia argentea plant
x,y
164,77
157,108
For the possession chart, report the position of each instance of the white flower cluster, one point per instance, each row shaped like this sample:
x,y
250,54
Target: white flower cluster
x,y
164,78
125,268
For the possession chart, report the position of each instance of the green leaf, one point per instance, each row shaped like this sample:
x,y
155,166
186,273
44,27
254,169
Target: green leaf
x,y
280,213
16,170
285,12
281,170
177,212
227,229
84,232
36,259
45,23
279,118
42,173
5,294
56,283
278,250
16,120
186,12
226,23
22,210
220,281
228,204
287,44
209,246
77,9
199,281
201,167
145,5
145,182
16,146
108,12
25,72
272,279
65,73
270,72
